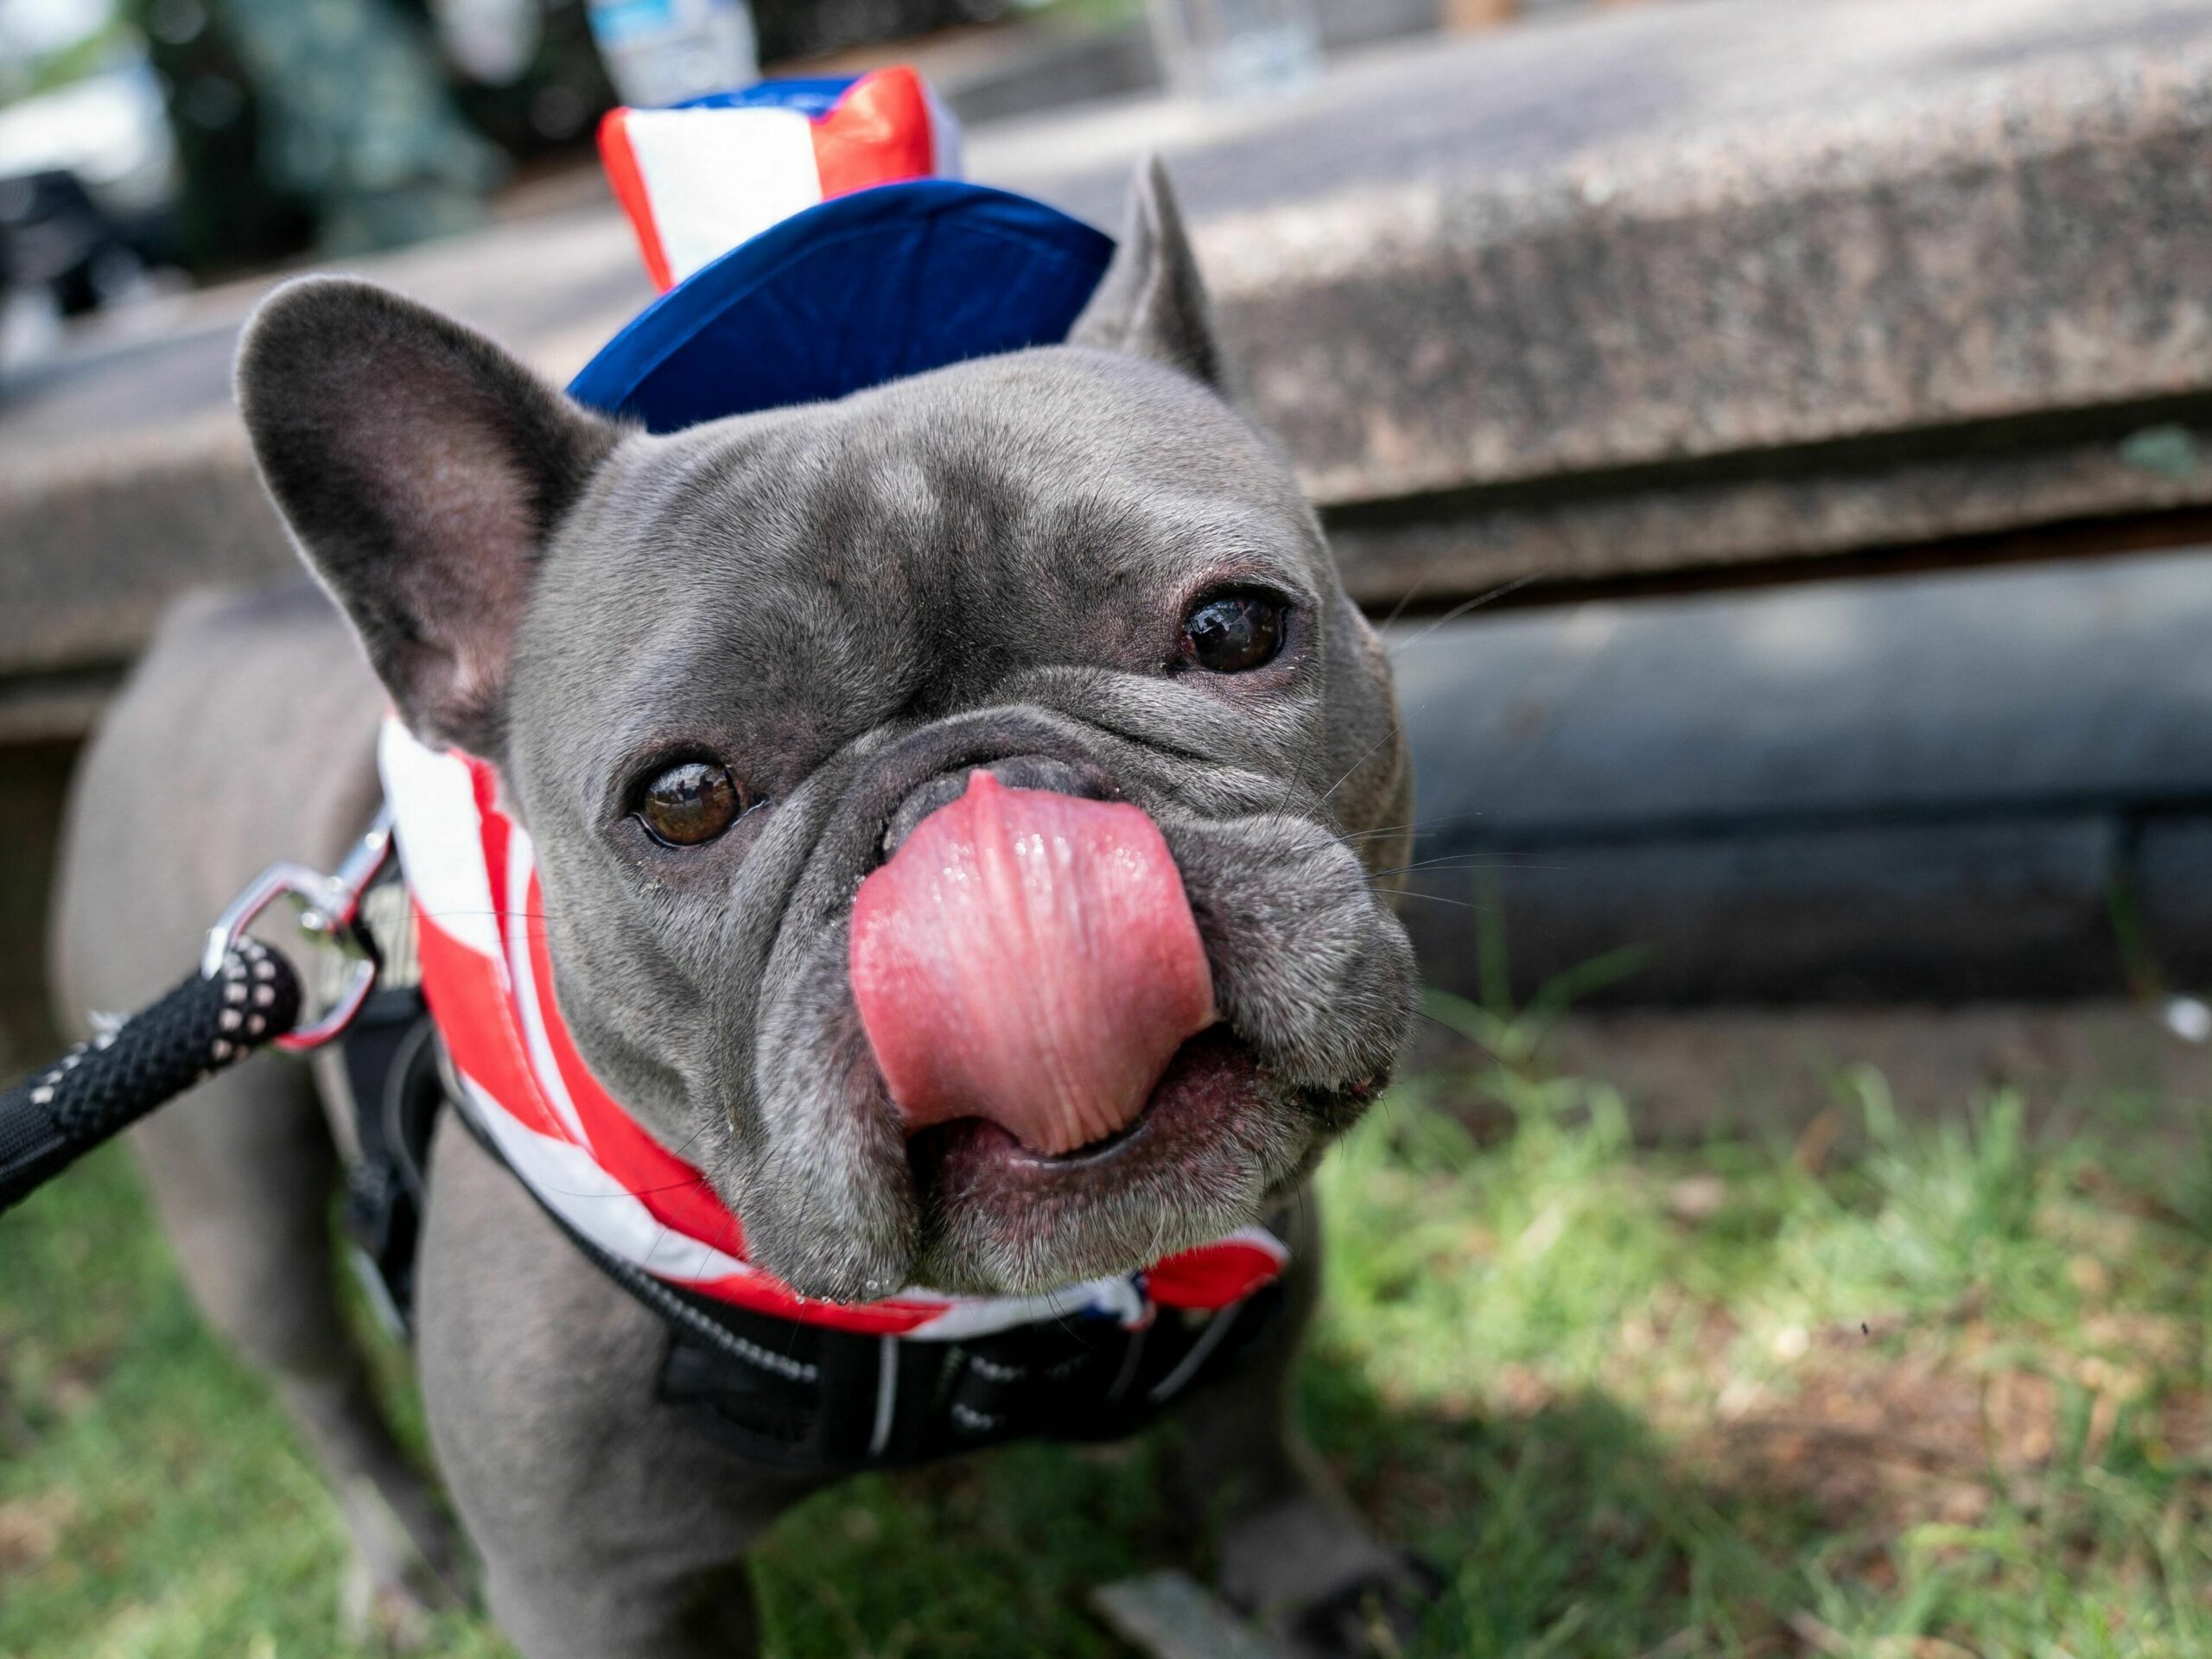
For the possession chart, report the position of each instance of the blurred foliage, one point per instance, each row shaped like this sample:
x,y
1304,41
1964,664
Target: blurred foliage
x,y
230,214
556,102
352,117
335,124
73,62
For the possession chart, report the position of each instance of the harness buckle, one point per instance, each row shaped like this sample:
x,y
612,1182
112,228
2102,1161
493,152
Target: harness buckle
x,y
329,912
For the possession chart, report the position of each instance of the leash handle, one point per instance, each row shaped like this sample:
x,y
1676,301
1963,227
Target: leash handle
x,y
212,1020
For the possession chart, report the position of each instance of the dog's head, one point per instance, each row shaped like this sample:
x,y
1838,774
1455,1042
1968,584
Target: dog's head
x,y
955,804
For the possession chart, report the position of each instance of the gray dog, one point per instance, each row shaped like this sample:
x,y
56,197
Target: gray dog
x,y
1076,568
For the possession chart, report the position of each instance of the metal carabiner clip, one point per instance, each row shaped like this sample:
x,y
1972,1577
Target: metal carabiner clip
x,y
330,912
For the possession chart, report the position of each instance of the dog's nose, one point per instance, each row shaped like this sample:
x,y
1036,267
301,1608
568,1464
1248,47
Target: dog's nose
x,y
1015,772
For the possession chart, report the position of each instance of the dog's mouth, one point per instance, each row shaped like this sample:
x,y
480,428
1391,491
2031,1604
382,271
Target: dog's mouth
x,y
1211,1082
1032,982
1212,1147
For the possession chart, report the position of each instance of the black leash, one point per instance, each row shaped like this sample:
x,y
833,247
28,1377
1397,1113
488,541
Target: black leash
x,y
99,1089
245,997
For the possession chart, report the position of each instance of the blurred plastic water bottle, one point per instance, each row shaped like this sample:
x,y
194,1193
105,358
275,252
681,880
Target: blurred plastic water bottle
x,y
1231,48
661,51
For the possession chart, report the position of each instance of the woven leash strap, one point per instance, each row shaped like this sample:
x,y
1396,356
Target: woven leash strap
x,y
99,1089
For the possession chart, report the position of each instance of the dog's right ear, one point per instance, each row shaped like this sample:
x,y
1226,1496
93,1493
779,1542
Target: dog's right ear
x,y
421,469
1151,300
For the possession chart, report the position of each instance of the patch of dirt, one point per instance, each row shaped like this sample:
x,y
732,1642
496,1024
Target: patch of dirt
x,y
1891,1441
31,1529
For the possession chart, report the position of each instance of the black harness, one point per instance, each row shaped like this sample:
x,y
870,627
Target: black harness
x,y
799,1396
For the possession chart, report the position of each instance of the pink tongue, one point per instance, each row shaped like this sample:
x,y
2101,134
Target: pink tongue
x,y
1029,958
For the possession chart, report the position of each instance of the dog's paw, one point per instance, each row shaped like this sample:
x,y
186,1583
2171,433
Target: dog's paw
x,y
1378,1615
382,1617
402,1575
1320,1585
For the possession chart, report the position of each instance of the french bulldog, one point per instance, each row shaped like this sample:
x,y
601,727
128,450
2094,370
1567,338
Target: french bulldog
x,y
723,677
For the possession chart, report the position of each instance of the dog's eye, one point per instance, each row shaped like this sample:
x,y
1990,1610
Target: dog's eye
x,y
690,803
1231,632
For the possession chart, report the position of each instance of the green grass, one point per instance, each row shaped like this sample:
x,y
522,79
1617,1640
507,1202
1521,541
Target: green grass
x,y
1945,1393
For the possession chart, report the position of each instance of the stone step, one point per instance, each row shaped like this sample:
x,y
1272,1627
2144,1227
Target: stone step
x,y
1992,785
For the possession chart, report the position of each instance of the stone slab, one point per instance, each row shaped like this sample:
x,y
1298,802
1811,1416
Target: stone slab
x,y
1169,1615
124,477
1696,230
2135,472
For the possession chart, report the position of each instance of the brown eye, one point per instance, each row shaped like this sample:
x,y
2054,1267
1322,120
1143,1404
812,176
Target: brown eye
x,y
690,802
1231,632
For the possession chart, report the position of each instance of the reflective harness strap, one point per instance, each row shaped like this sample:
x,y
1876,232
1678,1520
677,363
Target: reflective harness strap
x,y
879,1402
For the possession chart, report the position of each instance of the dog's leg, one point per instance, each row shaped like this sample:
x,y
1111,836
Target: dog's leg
x,y
1292,1552
246,735
242,1171
606,1524
576,1613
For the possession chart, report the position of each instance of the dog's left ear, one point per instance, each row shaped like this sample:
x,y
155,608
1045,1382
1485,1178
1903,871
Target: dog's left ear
x,y
421,470
1151,300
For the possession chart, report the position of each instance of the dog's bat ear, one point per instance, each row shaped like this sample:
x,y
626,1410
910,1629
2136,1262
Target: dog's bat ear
x,y
1151,300
421,469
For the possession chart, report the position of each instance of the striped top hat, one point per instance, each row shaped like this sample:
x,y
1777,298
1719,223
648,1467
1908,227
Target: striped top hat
x,y
810,241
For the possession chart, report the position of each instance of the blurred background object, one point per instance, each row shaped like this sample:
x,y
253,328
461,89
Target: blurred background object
x,y
216,136
1230,48
662,52
356,121
88,172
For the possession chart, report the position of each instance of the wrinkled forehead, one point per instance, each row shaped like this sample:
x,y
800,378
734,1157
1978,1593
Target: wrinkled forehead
x,y
1053,505
978,462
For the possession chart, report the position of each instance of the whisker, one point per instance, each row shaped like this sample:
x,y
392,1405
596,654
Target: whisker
x,y
626,1191
1451,1031
1419,826
509,915
1396,611
1434,898
678,1150
1399,609
1357,763
1468,862
1461,609
1290,781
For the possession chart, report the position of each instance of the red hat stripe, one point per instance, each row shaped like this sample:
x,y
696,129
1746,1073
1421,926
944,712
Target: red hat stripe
x,y
880,132
619,157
